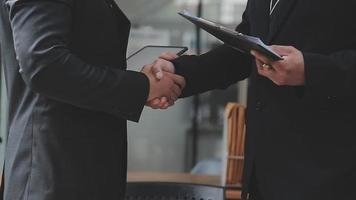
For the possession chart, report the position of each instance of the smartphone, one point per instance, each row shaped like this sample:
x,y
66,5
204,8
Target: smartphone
x,y
149,54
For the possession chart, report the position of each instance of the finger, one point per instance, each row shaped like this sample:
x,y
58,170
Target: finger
x,y
163,102
179,80
279,66
146,68
263,66
154,104
153,107
171,103
268,73
166,105
168,56
259,64
274,65
283,50
173,97
259,56
177,92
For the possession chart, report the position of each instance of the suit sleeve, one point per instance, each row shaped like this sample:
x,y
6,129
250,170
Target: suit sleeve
x,y
331,75
41,31
216,69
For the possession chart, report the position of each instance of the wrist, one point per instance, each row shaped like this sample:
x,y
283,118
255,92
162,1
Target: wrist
x,y
150,95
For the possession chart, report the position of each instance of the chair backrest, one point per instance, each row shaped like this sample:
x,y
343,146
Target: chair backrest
x,y
170,191
234,139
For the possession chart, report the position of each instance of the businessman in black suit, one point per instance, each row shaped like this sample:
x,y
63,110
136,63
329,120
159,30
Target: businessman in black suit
x,y
69,98
301,118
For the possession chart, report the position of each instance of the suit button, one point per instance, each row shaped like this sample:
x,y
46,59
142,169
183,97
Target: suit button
x,y
331,97
259,106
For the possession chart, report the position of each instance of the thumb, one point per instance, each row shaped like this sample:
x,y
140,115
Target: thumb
x,y
157,71
161,65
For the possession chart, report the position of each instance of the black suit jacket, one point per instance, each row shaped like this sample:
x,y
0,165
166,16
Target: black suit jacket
x,y
300,141
70,97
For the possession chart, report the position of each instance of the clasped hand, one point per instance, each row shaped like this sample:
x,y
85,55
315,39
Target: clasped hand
x,y
165,86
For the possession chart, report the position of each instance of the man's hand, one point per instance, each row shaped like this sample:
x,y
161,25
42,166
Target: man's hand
x,y
160,66
287,72
163,64
169,86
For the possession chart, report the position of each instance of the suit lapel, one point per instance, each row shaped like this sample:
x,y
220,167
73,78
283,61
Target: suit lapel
x,y
279,17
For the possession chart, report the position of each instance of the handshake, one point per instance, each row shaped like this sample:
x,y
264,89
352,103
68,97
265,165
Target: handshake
x,y
165,86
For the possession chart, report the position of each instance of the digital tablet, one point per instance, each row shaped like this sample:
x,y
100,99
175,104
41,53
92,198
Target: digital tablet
x,y
149,54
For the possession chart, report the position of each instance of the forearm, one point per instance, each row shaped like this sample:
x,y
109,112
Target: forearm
x,y
72,81
216,69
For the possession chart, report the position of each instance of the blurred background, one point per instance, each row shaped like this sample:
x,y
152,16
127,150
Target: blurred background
x,y
187,137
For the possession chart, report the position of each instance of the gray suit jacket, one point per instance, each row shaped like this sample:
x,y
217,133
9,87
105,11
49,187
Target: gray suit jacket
x,y
70,97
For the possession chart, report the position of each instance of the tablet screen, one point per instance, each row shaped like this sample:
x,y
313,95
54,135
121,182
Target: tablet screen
x,y
149,54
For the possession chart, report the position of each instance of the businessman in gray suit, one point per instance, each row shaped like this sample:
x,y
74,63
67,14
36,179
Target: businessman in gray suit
x,y
69,98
